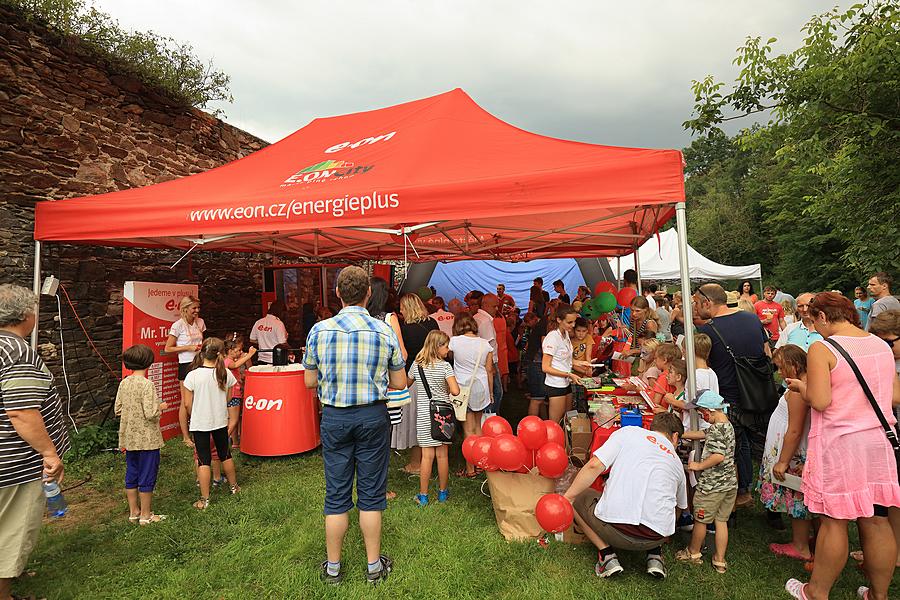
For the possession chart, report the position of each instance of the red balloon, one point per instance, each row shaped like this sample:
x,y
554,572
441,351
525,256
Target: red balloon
x,y
507,452
605,286
625,296
532,432
551,460
528,464
468,446
554,513
496,426
480,450
555,433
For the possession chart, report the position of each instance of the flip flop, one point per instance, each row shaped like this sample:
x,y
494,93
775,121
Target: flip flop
x,y
788,551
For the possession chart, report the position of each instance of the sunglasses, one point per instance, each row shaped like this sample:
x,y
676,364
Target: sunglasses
x,y
699,292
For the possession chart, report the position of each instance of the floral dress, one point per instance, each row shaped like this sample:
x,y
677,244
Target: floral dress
x,y
776,497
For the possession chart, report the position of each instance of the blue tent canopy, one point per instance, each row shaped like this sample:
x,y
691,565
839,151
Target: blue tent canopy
x,y
455,280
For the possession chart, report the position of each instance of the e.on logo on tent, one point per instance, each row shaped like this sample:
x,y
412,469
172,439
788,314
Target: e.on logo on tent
x,y
369,140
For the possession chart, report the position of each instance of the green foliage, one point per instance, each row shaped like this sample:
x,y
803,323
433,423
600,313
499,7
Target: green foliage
x,y
826,167
92,439
157,60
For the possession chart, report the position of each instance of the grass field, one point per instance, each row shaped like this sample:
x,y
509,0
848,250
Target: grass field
x,y
268,542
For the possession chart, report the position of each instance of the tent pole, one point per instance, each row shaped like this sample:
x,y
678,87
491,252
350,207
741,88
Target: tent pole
x,y
637,269
618,272
36,286
687,310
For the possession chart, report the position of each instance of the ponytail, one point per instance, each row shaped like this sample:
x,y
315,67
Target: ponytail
x,y
212,350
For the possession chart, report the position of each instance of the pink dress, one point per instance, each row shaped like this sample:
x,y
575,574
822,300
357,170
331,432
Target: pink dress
x,y
850,465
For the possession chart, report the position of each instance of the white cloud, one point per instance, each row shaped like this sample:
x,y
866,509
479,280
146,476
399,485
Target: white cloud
x,y
602,72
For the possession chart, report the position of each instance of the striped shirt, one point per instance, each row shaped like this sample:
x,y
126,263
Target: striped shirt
x,y
352,352
26,384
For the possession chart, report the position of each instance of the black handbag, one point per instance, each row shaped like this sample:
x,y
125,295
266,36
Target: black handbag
x,y
441,417
893,435
755,379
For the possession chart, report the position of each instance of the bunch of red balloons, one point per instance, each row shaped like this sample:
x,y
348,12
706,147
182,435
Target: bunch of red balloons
x,y
538,444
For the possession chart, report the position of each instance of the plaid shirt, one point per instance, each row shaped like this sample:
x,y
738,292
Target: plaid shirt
x,y
352,352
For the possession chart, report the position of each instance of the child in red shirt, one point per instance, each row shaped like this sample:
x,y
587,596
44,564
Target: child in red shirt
x,y
666,354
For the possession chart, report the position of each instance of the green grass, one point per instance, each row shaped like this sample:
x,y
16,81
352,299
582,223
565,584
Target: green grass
x,y
268,542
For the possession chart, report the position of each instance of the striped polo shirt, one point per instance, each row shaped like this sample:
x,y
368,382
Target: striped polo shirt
x,y
26,383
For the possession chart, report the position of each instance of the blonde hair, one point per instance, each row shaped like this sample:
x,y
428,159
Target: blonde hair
x,y
428,355
746,306
702,346
669,352
650,344
412,308
185,304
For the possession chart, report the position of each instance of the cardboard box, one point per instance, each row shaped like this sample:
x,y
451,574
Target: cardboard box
x,y
571,536
580,436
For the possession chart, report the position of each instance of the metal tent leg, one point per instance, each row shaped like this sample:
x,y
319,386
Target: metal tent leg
x,y
687,309
37,290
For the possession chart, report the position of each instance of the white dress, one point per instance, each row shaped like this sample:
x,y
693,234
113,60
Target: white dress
x,y
774,496
466,351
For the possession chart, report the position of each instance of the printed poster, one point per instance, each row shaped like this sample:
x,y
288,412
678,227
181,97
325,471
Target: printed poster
x,y
149,309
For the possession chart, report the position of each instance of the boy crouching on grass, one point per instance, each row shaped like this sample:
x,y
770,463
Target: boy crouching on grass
x,y
139,434
716,481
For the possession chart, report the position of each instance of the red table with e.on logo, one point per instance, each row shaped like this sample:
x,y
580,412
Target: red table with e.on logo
x,y
279,416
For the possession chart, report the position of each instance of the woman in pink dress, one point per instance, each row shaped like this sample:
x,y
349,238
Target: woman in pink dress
x,y
850,472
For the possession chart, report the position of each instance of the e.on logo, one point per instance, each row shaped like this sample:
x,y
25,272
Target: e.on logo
x,y
251,403
369,140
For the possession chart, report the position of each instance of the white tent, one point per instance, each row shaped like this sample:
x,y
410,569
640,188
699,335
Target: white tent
x,y
659,260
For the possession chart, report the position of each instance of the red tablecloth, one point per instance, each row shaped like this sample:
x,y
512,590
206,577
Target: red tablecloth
x,y
601,434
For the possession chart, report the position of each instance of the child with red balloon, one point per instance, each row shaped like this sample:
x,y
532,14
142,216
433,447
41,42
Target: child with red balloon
x,y
636,510
436,381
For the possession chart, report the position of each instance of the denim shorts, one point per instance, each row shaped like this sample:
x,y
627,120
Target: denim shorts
x,y
356,442
535,379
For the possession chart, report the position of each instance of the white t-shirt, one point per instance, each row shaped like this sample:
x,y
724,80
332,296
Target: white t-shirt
x,y
268,332
187,335
559,347
209,410
466,351
651,301
444,320
646,482
486,330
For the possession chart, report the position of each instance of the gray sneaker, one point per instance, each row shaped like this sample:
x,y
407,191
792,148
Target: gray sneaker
x,y
655,567
608,567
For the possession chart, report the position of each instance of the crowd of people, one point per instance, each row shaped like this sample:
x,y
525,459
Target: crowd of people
x,y
827,459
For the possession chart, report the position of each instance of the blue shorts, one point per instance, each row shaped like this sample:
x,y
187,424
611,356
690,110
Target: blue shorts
x,y
535,378
141,467
355,442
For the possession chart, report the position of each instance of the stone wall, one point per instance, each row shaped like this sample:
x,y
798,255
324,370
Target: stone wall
x,y
72,125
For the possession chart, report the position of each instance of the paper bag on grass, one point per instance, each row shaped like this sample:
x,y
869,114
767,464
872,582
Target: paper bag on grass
x,y
514,496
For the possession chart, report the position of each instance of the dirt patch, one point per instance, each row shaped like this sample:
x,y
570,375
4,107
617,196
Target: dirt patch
x,y
89,505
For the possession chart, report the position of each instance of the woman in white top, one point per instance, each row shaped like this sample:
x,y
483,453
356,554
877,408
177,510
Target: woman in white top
x,y
185,337
473,365
557,363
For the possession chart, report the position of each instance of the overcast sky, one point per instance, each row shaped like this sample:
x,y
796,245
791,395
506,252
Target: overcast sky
x,y
616,73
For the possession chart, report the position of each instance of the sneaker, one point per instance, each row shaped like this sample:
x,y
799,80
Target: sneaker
x,y
331,579
685,522
711,528
421,500
608,567
443,495
655,567
387,565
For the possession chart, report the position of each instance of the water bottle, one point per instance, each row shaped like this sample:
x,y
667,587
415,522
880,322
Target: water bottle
x,y
56,504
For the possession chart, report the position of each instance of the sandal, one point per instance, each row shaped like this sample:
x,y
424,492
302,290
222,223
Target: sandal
x,y
789,551
796,588
235,489
720,566
134,519
466,475
685,555
201,504
153,518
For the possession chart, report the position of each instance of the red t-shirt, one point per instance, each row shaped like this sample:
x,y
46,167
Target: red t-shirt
x,y
764,310
663,387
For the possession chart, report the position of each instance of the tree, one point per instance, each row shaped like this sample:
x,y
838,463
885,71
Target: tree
x,y
832,141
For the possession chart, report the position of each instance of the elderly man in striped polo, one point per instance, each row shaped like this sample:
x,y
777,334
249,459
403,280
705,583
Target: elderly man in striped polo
x,y
32,434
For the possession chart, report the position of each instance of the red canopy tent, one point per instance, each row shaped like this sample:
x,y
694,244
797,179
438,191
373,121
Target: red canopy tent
x,y
438,178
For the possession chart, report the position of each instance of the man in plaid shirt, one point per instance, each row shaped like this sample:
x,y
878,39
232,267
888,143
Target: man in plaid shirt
x,y
352,358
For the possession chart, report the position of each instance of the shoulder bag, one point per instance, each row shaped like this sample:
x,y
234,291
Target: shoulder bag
x,y
396,399
460,401
443,426
755,379
892,434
